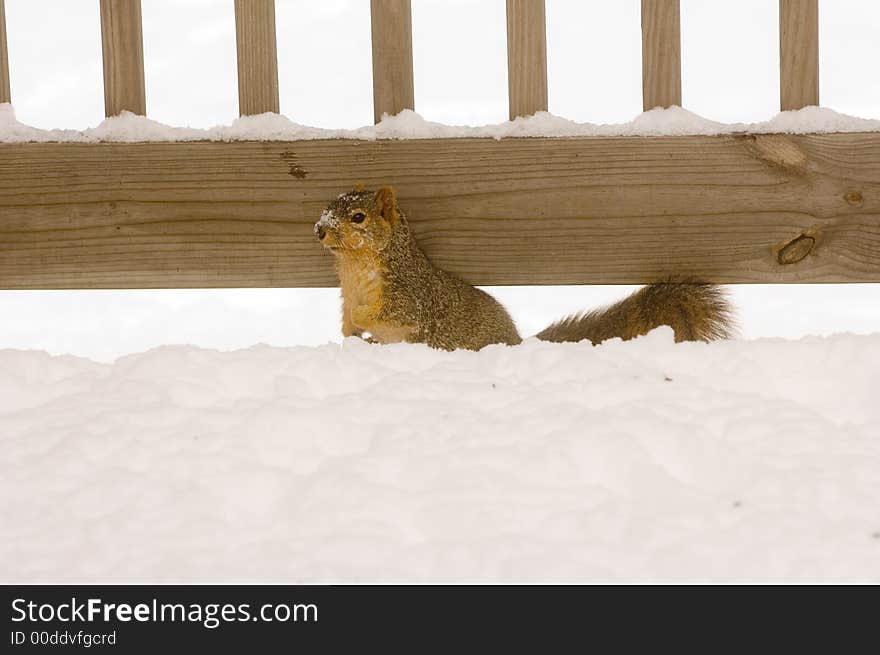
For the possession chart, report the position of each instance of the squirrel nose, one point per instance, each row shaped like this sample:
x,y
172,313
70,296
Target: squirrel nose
x,y
321,233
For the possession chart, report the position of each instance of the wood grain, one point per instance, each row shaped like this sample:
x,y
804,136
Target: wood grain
x,y
798,53
393,89
122,45
526,57
257,56
661,53
765,208
5,95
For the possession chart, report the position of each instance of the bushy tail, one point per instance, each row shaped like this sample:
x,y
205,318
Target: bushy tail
x,y
695,310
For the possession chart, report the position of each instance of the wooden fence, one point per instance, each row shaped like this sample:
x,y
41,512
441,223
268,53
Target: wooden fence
x,y
733,208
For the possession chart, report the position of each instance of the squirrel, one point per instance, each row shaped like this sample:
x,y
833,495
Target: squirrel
x,y
392,292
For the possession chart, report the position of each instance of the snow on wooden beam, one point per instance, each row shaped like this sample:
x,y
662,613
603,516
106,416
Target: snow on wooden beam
x,y
733,208
393,89
5,95
123,51
257,56
526,57
661,54
798,53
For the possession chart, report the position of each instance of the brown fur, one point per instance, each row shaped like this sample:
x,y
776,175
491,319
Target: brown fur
x,y
695,311
393,292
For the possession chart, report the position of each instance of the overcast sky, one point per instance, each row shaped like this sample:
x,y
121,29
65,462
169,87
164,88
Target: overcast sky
x,y
729,73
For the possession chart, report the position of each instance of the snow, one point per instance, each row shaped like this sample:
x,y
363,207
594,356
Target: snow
x,y
327,219
746,461
104,324
674,121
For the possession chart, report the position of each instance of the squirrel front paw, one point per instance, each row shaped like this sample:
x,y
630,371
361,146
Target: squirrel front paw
x,y
362,317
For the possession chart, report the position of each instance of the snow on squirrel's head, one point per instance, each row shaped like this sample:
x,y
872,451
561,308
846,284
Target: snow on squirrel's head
x,y
360,222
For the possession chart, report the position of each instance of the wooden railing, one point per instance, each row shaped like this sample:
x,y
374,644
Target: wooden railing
x,y
4,63
257,56
661,54
798,53
734,208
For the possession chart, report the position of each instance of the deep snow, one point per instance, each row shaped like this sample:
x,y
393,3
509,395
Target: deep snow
x,y
674,121
639,461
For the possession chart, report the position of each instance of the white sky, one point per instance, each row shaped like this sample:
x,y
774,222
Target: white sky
x,y
729,73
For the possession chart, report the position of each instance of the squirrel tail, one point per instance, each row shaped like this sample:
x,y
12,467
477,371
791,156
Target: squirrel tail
x,y
695,310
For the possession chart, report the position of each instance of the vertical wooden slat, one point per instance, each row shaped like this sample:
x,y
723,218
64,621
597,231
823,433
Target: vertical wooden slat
x,y
257,56
798,53
661,54
526,57
391,22
5,95
122,45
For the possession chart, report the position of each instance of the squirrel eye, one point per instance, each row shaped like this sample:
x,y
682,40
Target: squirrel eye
x,y
358,218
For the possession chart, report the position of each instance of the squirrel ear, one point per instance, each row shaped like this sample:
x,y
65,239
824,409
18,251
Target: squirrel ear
x,y
359,186
387,204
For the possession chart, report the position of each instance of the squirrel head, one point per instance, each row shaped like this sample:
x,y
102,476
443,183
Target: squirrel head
x,y
360,222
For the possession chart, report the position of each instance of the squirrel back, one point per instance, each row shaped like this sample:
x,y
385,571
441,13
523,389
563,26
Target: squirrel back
x,y
391,290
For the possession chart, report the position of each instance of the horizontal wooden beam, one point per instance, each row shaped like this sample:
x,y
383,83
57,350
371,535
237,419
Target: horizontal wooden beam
x,y
765,208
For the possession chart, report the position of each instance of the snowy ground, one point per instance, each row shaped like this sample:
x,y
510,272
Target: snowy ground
x,y
641,461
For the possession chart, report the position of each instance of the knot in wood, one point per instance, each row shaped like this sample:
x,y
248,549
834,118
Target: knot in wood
x,y
778,151
853,198
796,249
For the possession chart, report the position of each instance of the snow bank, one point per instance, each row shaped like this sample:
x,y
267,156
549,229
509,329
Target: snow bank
x,y
674,121
639,461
